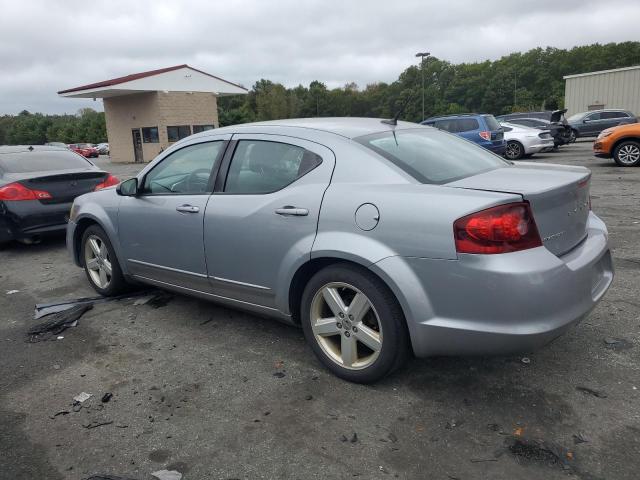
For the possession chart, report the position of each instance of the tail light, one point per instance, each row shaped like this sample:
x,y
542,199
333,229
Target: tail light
x,y
110,181
486,135
17,191
501,229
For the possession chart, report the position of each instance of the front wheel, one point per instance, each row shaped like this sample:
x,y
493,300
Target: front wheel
x,y
100,262
514,150
627,154
354,323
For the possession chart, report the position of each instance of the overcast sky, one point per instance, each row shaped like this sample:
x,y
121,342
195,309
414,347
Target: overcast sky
x,y
47,45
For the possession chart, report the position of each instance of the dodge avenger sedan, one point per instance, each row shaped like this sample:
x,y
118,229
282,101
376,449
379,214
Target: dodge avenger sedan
x,y
380,238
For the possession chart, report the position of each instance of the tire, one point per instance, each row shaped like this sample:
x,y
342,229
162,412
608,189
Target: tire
x,y
627,153
376,337
514,150
573,136
104,256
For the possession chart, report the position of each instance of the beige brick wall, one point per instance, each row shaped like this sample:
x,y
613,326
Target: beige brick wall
x,y
154,109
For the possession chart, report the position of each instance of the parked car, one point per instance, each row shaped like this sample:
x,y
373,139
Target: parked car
x,y
85,149
103,148
482,129
56,144
525,141
553,121
590,124
620,143
37,187
379,239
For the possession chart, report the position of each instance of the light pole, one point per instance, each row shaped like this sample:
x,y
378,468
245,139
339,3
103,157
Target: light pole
x,y
422,55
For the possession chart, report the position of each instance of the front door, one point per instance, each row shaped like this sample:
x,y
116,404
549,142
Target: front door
x,y
161,229
263,221
137,145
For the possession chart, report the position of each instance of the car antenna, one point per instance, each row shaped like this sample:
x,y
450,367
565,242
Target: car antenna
x,y
394,121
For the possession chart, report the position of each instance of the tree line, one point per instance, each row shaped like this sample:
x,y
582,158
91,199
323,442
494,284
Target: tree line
x,y
516,82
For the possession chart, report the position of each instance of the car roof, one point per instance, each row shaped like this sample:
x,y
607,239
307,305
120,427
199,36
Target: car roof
x,y
349,127
454,115
30,148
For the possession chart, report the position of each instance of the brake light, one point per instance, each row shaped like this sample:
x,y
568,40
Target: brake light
x,y
110,181
501,229
17,191
486,135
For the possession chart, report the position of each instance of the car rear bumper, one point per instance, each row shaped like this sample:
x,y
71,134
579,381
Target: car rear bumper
x,y
539,146
498,149
26,219
499,304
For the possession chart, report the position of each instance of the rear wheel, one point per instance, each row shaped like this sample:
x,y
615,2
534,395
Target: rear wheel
x,y
100,262
573,135
514,150
627,154
354,324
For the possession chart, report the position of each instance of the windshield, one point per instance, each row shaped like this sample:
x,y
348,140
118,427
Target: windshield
x,y
26,162
431,156
492,123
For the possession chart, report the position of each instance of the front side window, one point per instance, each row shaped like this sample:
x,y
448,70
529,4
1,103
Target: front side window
x,y
185,171
264,167
150,135
202,128
593,116
178,132
430,156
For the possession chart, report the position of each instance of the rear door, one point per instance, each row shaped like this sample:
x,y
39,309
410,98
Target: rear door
x,y
262,220
160,230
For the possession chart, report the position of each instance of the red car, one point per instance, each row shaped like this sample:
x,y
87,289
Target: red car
x,y
85,149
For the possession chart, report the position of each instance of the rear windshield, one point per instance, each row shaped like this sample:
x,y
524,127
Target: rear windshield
x,y
492,123
41,161
431,156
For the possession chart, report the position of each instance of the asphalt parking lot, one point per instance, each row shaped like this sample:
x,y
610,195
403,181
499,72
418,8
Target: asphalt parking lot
x,y
220,394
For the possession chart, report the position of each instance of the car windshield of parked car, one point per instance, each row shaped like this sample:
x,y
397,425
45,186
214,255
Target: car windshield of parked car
x,y
41,161
575,117
431,156
492,123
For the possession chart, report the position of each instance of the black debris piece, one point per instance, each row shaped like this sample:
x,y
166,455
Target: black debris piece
x,y
538,451
309,397
580,438
617,343
391,436
279,374
108,477
591,391
63,412
55,306
97,424
160,300
57,323
343,438
354,438
106,397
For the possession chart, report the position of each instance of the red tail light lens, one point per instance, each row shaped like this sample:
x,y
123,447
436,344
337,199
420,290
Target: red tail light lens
x,y
485,135
502,229
110,181
17,191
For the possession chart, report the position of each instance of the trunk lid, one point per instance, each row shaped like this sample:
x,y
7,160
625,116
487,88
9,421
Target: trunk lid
x,y
64,187
558,195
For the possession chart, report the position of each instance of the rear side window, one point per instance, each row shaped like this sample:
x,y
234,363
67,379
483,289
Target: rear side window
x,y
430,156
492,123
467,124
448,125
41,161
605,115
263,167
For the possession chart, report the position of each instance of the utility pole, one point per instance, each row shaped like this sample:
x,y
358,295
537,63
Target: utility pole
x,y
515,89
422,56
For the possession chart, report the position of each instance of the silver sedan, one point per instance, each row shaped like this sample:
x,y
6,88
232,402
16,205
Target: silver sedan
x,y
380,240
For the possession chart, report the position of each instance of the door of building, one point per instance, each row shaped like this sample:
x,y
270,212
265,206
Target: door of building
x,y
137,145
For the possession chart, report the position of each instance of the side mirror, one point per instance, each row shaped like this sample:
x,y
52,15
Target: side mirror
x,y
128,188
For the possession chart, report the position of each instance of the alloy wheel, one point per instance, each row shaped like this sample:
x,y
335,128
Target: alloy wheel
x,y
97,261
345,324
513,151
629,154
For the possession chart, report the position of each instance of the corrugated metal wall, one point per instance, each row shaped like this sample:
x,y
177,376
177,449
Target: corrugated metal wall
x,y
619,89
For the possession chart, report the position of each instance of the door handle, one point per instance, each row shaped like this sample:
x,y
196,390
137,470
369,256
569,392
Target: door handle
x,y
293,211
187,209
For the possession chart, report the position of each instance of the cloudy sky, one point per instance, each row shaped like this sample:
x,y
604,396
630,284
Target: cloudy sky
x,y
47,45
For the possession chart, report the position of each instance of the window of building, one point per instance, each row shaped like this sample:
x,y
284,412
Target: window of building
x,y
202,128
150,135
263,167
178,132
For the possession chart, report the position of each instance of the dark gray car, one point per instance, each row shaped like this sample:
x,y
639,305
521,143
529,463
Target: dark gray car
x,y
590,124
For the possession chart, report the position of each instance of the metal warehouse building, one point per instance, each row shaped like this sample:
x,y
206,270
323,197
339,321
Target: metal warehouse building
x,y
618,88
